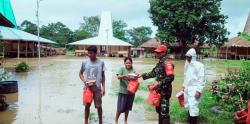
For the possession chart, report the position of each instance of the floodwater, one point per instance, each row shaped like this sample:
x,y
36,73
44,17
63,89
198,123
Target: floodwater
x,y
53,93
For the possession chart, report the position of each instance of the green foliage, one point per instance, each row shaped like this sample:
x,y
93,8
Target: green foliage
x,y
143,86
29,27
233,91
139,35
71,48
135,56
61,34
245,35
150,107
57,32
80,35
22,67
188,20
177,113
139,99
119,29
206,116
90,25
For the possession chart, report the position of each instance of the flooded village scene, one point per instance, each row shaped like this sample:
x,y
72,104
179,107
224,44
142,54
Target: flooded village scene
x,y
124,62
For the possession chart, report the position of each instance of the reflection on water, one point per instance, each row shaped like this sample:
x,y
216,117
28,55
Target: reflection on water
x,y
8,116
54,93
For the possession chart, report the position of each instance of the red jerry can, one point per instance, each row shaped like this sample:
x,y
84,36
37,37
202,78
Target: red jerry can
x,y
180,97
240,117
133,86
248,113
87,95
154,98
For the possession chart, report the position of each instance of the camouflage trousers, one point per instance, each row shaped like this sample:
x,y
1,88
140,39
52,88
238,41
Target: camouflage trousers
x,y
163,111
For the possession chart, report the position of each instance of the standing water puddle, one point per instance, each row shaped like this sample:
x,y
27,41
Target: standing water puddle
x,y
53,94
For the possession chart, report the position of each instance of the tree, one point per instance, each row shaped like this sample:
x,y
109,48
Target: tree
x,y
29,27
119,30
90,25
139,35
245,35
187,21
57,32
80,35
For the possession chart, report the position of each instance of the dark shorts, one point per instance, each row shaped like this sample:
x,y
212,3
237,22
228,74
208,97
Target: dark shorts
x,y
125,102
97,98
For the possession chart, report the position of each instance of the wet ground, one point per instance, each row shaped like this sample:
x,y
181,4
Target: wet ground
x,y
53,93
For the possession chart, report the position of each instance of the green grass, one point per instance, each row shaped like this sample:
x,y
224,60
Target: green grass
x,y
149,107
233,63
139,99
143,86
227,63
91,116
179,114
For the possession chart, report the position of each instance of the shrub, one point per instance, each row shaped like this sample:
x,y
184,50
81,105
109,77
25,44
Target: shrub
x,y
135,56
233,91
22,67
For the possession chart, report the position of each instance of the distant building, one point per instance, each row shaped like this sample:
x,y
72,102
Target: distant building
x,y
150,45
237,47
15,42
7,17
247,26
105,41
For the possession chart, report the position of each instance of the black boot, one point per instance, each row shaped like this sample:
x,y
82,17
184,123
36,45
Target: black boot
x,y
189,118
193,120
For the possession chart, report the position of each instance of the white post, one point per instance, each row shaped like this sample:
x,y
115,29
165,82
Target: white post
x,y
107,40
39,66
38,30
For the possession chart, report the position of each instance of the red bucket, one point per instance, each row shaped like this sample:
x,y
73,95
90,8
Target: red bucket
x,y
240,117
180,97
87,95
154,98
133,86
248,113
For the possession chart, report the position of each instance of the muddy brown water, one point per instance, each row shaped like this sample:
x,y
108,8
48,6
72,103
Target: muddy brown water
x,y
53,93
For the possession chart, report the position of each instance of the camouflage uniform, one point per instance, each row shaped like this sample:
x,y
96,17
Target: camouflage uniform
x,y
165,89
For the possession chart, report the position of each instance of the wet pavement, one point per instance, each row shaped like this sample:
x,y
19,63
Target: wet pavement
x,y
53,93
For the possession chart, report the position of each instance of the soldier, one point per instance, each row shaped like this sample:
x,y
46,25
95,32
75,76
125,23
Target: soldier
x,y
164,74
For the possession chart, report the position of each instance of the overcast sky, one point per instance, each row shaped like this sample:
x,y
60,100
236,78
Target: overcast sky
x,y
133,12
